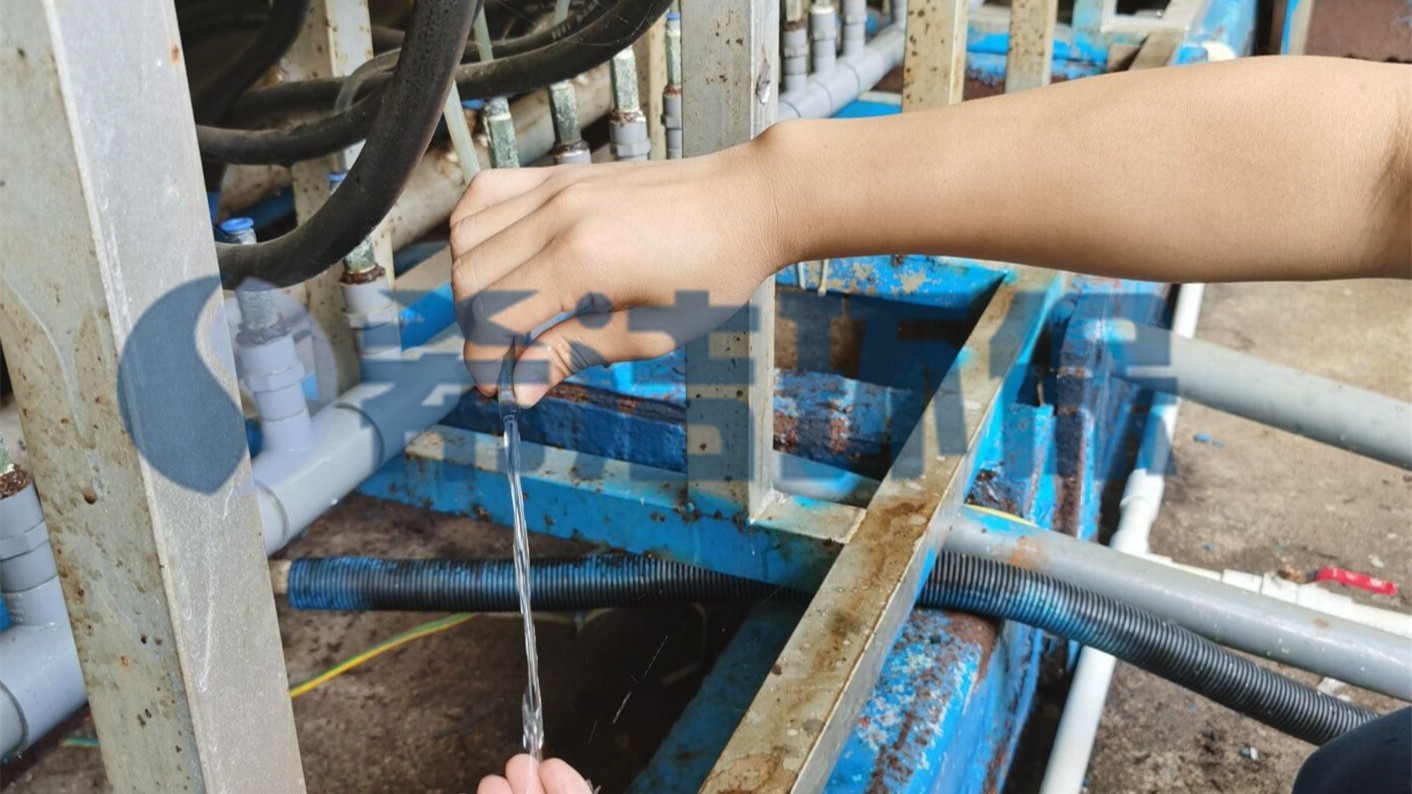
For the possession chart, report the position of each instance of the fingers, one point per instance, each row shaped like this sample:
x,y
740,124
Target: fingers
x,y
523,774
580,342
491,187
494,784
496,317
492,259
560,778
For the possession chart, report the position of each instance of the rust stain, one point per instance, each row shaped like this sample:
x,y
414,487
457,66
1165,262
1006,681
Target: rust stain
x,y
1321,623
13,481
175,54
1027,554
365,277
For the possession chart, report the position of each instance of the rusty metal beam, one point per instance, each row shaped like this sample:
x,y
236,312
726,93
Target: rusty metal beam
x,y
730,73
1028,61
934,70
790,738
110,293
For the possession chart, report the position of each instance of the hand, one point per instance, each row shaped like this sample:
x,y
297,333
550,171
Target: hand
x,y
622,261
554,777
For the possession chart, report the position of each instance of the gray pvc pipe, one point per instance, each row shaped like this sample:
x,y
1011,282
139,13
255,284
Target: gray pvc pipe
x,y
40,680
829,91
1267,627
1325,410
357,433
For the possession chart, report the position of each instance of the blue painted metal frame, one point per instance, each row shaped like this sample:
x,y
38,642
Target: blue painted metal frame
x,y
947,710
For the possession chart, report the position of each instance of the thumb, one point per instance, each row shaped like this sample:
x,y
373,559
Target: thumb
x,y
577,343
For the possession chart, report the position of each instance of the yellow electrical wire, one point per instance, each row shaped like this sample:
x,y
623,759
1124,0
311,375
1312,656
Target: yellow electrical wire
x,y
1002,514
424,630
415,633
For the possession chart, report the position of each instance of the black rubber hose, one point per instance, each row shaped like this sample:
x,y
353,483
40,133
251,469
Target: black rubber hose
x,y
968,584
385,38
290,145
211,100
594,42
410,109
592,46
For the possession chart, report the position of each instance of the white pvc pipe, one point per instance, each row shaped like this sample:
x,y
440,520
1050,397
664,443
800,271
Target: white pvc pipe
x,y
1142,498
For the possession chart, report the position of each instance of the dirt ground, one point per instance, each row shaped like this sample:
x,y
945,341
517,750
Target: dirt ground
x,y
436,715
1249,498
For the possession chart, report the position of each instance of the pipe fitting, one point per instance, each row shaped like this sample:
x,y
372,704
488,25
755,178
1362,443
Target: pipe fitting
x,y
828,92
672,120
627,125
40,680
627,134
274,374
855,26
26,560
794,55
823,36
572,153
564,107
500,129
373,315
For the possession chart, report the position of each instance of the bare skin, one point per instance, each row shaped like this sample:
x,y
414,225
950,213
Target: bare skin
x,y
1256,169
553,777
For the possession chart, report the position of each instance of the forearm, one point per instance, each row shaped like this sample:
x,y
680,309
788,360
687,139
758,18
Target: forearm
x,y
1291,168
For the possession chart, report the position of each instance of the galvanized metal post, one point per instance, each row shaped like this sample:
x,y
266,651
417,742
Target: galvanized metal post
x,y
790,738
336,40
109,293
934,71
730,71
1027,64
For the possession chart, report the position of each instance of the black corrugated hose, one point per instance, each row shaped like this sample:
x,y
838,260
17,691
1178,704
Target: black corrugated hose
x,y
968,584
409,112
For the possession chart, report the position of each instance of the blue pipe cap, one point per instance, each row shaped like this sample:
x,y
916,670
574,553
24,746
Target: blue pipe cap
x,y
233,226
335,178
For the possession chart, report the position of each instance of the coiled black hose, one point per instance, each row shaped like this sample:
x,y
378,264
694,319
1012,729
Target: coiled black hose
x,y
579,14
211,99
405,122
597,39
968,584
286,146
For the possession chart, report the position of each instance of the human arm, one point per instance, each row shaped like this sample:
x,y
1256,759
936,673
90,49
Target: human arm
x,y
1267,168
